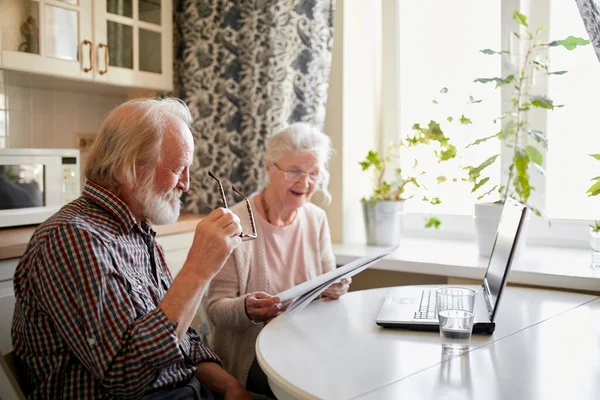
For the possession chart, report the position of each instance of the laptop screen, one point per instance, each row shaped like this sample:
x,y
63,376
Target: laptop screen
x,y
503,253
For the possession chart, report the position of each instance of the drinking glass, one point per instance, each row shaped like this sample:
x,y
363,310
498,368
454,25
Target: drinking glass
x,y
455,309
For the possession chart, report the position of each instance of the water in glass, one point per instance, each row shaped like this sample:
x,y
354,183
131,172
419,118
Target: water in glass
x,y
455,329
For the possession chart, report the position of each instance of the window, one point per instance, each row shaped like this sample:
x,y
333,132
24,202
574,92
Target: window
x,y
439,43
443,54
573,131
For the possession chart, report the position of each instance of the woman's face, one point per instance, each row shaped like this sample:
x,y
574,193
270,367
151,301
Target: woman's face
x,y
295,177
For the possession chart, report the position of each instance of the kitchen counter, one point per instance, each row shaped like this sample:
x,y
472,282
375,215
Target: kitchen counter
x,y
13,241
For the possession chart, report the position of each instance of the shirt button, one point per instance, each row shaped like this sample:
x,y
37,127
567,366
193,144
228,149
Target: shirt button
x,y
91,341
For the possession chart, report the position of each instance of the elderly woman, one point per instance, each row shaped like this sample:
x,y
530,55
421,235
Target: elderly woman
x,y
293,246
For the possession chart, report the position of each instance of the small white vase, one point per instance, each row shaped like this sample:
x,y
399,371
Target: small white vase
x,y
487,218
595,246
383,222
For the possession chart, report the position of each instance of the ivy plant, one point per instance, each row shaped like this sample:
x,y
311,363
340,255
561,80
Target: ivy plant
x,y
516,130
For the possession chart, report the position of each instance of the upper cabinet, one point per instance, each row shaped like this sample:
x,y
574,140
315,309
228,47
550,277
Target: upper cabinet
x,y
134,41
119,42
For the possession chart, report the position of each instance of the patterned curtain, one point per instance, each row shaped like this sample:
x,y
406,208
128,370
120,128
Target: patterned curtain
x,y
590,12
246,68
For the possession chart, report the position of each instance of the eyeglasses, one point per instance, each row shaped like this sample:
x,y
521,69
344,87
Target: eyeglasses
x,y
296,175
244,236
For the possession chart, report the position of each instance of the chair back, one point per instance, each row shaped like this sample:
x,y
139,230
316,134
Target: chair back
x,y
9,375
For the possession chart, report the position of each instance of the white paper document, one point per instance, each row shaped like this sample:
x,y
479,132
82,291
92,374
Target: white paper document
x,y
306,292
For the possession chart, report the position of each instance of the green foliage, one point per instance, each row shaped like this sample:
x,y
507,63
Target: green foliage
x,y
515,130
393,185
594,190
432,222
595,226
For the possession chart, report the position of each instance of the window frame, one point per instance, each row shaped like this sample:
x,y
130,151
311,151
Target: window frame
x,y
553,232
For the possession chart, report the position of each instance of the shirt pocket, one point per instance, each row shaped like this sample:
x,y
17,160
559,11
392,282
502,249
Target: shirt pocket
x,y
139,296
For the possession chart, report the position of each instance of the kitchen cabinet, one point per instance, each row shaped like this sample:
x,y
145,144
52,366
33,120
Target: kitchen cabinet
x,y
118,42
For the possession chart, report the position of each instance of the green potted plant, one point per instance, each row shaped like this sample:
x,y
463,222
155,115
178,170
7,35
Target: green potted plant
x,y
516,132
594,190
384,208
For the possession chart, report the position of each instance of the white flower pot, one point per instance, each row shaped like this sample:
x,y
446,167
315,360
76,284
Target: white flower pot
x,y
383,222
487,219
595,246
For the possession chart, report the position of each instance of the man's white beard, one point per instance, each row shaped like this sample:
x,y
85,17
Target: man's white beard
x,y
159,210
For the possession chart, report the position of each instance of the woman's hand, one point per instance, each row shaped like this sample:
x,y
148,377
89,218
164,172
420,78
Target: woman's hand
x,y
336,290
262,307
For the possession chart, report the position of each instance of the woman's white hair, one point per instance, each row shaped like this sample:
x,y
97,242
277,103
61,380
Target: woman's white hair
x,y
131,136
301,136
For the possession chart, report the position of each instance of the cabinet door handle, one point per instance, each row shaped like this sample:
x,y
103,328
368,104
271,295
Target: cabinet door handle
x,y
106,58
87,42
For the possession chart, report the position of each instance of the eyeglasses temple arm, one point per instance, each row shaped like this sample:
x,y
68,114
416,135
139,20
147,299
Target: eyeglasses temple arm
x,y
249,209
221,191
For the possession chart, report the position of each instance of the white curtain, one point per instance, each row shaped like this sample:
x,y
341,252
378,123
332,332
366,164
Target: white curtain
x,y
590,13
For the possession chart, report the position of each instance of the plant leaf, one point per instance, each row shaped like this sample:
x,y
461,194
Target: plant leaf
x,y
570,43
464,120
499,81
480,184
479,141
594,190
449,119
441,179
472,100
432,222
444,90
520,18
557,72
534,155
539,137
596,156
434,101
521,179
489,52
542,102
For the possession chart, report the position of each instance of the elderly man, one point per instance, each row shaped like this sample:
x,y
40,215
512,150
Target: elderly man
x,y
97,313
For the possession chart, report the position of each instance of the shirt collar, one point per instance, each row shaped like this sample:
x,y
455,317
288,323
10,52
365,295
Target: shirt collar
x,y
115,206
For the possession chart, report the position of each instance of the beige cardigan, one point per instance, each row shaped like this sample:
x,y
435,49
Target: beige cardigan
x,y
232,334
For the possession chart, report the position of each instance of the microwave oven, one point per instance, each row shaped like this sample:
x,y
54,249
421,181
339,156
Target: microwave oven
x,y
36,183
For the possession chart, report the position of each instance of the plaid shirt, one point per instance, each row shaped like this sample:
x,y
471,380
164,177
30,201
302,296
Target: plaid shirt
x,y
87,321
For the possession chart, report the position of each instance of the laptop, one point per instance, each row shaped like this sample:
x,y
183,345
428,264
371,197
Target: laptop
x,y
406,307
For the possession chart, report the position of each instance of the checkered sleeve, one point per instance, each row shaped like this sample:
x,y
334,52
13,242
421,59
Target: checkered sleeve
x,y
90,306
198,351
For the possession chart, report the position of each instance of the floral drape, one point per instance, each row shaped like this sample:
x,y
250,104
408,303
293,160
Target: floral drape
x,y
246,69
590,13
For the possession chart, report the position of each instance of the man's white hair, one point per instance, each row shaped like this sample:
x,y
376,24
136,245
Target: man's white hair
x,y
131,136
302,136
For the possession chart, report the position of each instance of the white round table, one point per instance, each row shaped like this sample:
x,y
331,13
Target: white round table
x,y
334,350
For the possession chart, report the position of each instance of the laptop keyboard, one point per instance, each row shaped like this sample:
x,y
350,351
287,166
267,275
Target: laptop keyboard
x,y
427,305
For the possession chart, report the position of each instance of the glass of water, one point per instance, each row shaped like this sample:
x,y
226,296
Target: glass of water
x,y
455,308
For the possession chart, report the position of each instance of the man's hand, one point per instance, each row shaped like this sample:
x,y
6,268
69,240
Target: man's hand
x,y
215,238
336,290
220,381
262,307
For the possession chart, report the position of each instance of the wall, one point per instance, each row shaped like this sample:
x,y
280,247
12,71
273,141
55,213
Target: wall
x,y
353,117
48,118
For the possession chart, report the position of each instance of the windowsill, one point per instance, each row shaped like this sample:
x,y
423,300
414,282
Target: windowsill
x,y
557,267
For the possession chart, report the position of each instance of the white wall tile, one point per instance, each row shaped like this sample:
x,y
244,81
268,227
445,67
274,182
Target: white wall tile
x,y
42,101
19,129
51,118
66,102
2,97
65,127
42,131
19,98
